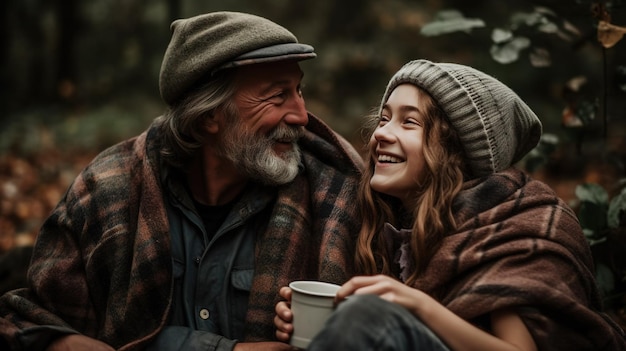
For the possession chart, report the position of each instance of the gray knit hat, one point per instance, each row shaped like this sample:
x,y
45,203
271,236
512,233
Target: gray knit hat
x,y
204,44
495,126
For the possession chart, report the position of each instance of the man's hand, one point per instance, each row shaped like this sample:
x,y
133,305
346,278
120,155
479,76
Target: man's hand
x,y
77,342
284,318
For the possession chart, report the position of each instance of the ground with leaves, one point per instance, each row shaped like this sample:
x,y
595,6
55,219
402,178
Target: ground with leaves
x,y
30,187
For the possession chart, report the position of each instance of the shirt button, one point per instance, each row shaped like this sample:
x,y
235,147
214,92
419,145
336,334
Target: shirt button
x,y
204,314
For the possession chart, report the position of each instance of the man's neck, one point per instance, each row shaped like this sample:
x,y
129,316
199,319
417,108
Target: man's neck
x,y
213,180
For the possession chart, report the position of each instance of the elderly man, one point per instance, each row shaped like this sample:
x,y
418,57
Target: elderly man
x,y
180,237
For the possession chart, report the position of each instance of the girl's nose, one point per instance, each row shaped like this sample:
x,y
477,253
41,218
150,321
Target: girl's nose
x,y
384,133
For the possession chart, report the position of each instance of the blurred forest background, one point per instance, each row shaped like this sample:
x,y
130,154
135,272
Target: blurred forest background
x,y
78,76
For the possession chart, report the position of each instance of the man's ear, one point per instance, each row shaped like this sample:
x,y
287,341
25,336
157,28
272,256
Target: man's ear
x,y
211,123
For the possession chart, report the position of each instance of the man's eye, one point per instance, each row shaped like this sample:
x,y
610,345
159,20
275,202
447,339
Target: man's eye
x,y
278,96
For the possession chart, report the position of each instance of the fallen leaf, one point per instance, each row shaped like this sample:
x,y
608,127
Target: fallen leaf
x,y
609,34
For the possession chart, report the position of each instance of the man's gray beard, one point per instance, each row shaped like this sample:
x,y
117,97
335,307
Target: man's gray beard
x,y
254,157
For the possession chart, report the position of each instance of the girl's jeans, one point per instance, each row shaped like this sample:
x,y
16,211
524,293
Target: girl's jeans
x,y
367,322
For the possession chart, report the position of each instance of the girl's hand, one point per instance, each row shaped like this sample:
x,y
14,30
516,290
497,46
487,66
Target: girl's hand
x,y
510,332
385,287
284,318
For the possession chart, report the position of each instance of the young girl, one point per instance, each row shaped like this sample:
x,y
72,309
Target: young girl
x,y
485,258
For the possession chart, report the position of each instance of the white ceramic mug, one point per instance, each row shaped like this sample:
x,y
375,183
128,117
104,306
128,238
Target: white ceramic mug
x,y
312,302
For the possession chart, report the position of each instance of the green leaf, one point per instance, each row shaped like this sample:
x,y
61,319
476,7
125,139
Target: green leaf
x,y
548,27
548,142
525,18
617,211
592,213
586,111
544,11
509,52
534,160
499,35
445,15
538,156
592,237
450,21
589,234
593,216
592,192
540,57
605,279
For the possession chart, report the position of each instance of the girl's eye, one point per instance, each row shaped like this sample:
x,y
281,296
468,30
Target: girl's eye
x,y
411,121
383,120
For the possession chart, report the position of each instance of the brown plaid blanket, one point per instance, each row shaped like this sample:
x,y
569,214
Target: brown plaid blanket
x,y
519,246
102,263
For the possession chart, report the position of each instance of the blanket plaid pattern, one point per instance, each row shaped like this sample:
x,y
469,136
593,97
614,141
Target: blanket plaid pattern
x,y
520,246
102,263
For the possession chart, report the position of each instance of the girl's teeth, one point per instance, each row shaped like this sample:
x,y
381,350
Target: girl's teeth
x,y
387,158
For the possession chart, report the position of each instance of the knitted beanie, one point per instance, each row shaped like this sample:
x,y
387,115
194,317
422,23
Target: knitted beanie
x,y
204,44
495,126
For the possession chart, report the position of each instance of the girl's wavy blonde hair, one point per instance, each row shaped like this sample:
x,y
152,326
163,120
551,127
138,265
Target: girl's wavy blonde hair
x,y
431,216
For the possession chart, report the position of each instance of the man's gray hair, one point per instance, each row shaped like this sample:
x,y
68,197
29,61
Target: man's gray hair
x,y
181,127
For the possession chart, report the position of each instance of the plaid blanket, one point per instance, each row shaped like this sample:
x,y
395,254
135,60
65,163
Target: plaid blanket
x,y
519,246
102,264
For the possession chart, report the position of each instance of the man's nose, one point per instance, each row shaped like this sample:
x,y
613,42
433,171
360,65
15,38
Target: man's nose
x,y
297,114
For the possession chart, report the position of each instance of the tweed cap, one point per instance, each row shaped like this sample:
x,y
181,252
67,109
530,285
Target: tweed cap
x,y
204,44
495,125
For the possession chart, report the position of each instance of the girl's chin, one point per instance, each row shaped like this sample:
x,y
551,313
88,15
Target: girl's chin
x,y
378,185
